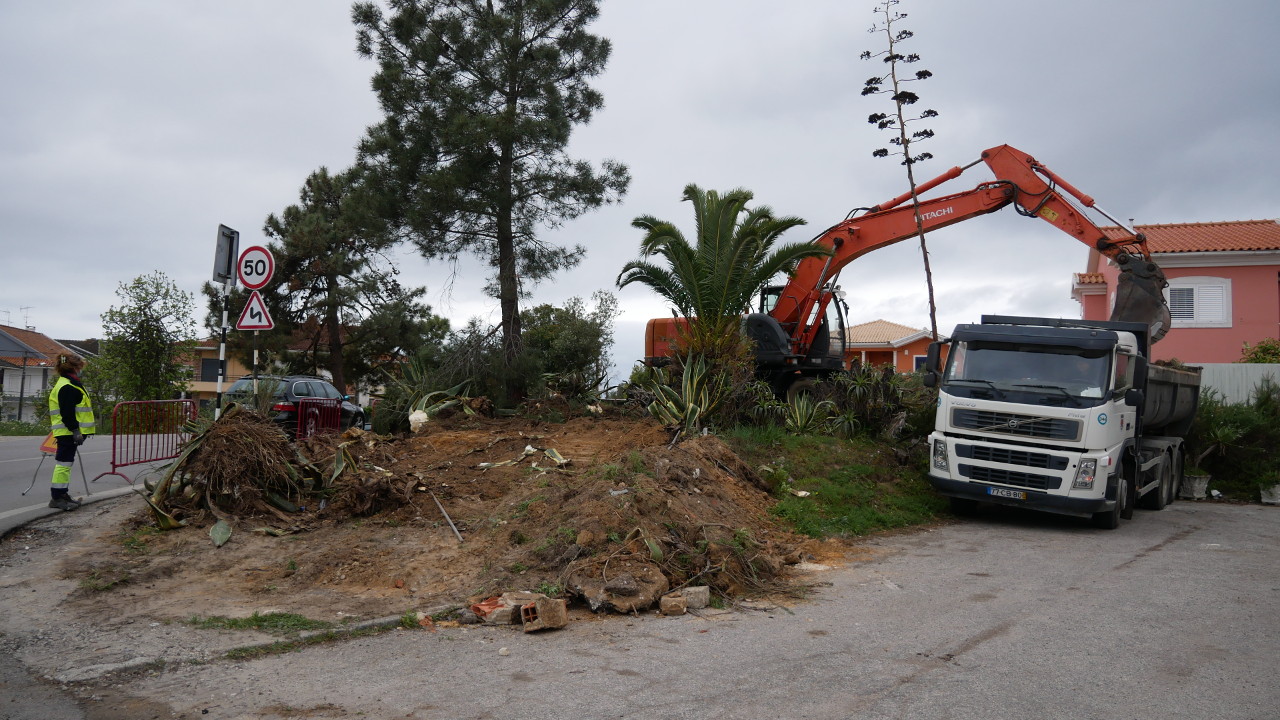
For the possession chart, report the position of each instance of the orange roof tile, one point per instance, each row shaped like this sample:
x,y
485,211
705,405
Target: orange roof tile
x,y
881,332
41,343
1090,279
1234,236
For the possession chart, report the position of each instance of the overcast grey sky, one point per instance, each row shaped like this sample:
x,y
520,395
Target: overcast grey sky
x,y
133,128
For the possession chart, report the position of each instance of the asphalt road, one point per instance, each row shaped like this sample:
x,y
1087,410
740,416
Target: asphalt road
x,y
20,461
1007,615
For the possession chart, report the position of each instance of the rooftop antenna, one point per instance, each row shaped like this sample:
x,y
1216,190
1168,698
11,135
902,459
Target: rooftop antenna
x,y
26,317
8,317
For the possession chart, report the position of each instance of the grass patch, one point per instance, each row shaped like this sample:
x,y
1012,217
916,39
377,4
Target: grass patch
x,y
636,464
274,623
855,486
103,580
522,508
136,542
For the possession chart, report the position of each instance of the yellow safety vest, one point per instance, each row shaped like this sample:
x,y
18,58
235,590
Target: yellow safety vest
x,y
84,410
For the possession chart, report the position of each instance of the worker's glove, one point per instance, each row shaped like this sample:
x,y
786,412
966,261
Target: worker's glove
x,y
78,436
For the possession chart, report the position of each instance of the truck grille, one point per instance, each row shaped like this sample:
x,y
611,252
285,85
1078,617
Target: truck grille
x,y
1012,457
1011,424
1010,477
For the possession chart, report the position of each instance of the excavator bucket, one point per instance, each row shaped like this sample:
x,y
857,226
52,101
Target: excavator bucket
x,y
1140,295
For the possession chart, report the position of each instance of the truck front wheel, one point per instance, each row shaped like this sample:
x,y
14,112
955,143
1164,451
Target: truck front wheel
x,y
1110,519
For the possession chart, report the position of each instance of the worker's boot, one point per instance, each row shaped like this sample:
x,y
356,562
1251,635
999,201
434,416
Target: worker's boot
x,y
64,502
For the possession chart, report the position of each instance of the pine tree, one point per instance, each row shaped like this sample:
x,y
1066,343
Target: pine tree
x,y
479,99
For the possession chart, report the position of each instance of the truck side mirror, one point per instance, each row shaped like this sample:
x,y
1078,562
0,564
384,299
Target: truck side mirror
x,y
1133,397
930,378
1140,372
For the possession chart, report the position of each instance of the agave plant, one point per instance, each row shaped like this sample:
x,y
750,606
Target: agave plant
x,y
701,392
437,401
805,416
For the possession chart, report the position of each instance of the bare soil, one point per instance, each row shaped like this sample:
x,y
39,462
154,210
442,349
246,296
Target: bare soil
x,y
559,507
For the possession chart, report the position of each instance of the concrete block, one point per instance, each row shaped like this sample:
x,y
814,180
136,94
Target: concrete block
x,y
518,598
674,604
544,614
698,597
505,615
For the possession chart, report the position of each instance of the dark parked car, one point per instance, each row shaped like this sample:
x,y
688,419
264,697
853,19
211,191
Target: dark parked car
x,y
286,394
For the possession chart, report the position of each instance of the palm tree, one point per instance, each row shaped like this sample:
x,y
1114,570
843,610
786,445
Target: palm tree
x,y
712,283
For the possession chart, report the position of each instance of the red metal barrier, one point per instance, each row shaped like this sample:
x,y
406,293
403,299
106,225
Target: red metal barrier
x,y
318,415
147,431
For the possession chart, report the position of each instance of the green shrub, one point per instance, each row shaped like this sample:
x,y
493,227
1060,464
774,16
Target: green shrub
x,y
1236,443
15,427
1266,351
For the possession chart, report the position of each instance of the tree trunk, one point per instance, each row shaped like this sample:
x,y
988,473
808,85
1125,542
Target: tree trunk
x,y
333,327
508,280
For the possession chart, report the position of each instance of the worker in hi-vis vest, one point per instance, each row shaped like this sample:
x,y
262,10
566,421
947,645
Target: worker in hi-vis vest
x,y
71,415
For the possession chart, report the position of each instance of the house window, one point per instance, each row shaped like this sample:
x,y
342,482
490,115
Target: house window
x,y
1199,302
209,369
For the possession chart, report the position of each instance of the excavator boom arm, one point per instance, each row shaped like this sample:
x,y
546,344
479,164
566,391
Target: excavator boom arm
x,y
1021,181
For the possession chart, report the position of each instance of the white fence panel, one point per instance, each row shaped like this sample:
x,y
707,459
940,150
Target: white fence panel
x,y
1235,382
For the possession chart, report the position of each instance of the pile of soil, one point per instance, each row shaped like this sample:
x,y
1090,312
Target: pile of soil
x,y
581,508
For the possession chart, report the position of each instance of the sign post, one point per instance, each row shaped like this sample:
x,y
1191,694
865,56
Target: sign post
x,y
224,272
255,268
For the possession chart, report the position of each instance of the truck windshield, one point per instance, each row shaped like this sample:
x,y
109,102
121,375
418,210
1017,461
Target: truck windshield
x,y
1028,373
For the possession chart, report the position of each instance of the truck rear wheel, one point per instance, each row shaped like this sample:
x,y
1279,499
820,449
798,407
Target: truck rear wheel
x,y
1159,497
1175,486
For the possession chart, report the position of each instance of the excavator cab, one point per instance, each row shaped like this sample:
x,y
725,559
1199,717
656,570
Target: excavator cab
x,y
777,358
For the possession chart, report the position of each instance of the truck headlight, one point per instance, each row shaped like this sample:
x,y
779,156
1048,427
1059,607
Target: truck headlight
x,y
1085,474
940,456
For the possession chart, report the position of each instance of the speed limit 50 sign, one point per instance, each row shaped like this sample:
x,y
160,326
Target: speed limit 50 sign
x,y
255,267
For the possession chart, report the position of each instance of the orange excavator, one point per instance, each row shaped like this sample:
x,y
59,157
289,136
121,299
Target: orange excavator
x,y
798,331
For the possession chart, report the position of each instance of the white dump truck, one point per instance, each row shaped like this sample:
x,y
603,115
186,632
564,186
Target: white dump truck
x,y
1061,416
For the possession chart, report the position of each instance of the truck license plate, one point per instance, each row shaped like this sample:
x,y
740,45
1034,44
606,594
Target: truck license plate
x,y
1013,494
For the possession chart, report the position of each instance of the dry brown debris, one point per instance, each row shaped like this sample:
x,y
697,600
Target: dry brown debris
x,y
623,521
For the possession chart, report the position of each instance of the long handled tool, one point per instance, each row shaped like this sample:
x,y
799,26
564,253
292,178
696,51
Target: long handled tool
x,y
43,455
446,516
36,474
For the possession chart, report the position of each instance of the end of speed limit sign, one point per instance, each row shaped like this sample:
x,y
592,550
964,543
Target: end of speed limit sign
x,y
255,267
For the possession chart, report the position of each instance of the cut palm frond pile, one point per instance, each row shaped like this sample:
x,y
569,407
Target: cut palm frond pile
x,y
244,466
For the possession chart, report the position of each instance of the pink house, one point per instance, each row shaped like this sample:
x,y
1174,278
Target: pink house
x,y
1224,286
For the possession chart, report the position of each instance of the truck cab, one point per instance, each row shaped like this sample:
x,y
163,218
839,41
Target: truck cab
x,y
1044,415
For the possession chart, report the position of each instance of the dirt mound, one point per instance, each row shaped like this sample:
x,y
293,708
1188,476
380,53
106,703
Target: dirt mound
x,y
588,508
